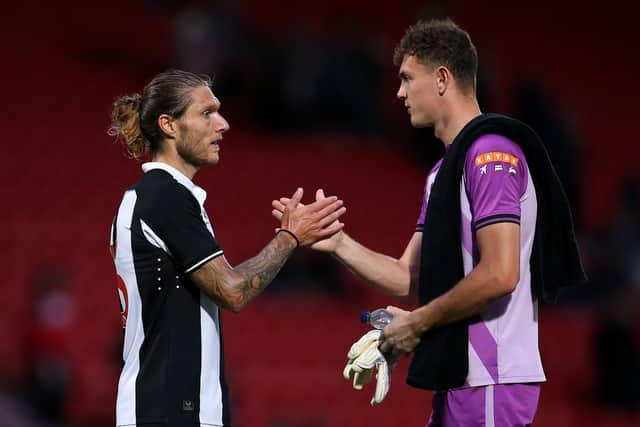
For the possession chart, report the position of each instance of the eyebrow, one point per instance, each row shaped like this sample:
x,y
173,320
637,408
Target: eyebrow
x,y
211,106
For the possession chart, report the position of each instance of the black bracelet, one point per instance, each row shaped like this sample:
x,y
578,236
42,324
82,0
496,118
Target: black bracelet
x,y
292,235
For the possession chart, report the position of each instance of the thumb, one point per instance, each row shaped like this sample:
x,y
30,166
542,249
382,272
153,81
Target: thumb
x,y
320,194
395,310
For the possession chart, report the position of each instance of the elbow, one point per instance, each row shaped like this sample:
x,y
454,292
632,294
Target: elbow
x,y
506,281
399,296
406,285
404,294
500,280
398,293
227,298
234,305
234,308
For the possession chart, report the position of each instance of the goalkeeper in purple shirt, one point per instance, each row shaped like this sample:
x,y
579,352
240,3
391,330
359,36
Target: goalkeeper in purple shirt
x,y
498,214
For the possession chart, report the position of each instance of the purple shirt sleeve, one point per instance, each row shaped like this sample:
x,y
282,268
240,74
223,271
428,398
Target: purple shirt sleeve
x,y
423,209
495,179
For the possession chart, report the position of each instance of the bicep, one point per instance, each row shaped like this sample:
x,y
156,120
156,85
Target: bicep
x,y
411,255
216,278
499,247
411,259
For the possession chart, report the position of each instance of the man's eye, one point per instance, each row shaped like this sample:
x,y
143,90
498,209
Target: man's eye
x,y
206,113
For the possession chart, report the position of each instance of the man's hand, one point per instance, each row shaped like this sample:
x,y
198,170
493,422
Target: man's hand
x,y
401,335
325,244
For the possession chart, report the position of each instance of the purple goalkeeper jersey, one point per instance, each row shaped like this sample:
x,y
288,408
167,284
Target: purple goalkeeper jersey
x,y
496,187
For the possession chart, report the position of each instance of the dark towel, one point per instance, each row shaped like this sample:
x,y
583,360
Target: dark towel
x,y
441,360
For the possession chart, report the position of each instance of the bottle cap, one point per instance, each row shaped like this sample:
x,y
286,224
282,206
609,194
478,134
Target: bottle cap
x,y
365,316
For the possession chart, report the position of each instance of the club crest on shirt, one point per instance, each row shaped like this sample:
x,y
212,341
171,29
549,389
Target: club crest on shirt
x,y
124,301
496,156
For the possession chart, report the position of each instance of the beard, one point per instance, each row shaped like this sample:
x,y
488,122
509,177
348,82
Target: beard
x,y
188,147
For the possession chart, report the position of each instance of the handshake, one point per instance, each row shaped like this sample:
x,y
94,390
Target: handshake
x,y
365,356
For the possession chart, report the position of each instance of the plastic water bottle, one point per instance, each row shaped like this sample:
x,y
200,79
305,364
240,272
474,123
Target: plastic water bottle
x,y
378,318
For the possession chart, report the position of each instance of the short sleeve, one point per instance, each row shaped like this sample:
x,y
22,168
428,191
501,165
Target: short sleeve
x,y
496,176
423,209
178,219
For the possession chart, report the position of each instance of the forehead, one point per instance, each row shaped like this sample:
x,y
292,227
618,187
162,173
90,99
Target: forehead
x,y
202,96
410,65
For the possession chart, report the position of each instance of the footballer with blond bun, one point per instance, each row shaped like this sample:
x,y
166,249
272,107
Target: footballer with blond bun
x,y
173,277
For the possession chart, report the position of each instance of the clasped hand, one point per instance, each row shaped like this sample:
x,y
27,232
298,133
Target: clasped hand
x,y
315,224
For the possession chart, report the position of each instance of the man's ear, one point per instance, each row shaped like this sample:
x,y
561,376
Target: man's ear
x,y
443,79
167,125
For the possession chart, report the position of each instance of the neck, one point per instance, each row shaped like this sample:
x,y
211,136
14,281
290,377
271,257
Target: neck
x,y
176,161
455,118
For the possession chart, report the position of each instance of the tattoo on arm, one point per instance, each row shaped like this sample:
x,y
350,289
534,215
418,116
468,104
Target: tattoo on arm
x,y
233,288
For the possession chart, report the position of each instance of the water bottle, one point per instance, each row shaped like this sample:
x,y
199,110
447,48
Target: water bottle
x,y
378,318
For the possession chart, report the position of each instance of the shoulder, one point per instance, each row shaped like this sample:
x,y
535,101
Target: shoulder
x,y
157,188
491,144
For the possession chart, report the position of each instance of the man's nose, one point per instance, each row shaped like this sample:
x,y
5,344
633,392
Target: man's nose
x,y
222,125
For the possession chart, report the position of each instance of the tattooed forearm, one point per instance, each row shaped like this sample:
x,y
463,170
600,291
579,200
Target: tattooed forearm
x,y
233,288
260,270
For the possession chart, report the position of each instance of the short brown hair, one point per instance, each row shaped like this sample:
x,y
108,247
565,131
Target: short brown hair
x,y
134,118
441,42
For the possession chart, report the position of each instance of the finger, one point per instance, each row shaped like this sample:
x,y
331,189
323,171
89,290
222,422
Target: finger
x,y
395,311
330,208
332,217
384,347
347,373
285,201
295,199
277,214
321,204
276,204
331,230
387,332
320,194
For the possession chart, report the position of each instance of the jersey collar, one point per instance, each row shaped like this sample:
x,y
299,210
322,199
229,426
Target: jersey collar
x,y
197,192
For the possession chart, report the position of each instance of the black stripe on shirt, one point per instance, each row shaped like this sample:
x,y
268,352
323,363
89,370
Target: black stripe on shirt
x,y
226,409
493,219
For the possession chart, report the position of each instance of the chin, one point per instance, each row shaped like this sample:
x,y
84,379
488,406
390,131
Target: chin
x,y
417,123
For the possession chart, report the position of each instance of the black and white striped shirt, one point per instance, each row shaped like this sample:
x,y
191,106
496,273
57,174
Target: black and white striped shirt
x,y
173,372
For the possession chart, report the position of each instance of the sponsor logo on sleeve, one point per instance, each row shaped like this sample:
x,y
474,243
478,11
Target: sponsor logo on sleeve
x,y
496,156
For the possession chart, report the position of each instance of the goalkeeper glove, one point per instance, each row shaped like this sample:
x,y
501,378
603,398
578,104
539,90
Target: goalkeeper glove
x,y
364,356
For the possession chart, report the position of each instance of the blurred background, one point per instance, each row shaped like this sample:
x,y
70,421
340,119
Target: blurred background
x,y
309,91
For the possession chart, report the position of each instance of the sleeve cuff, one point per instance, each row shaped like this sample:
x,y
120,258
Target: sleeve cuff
x,y
493,219
204,260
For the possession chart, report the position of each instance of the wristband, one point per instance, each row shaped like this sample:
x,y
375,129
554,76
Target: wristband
x,y
292,235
